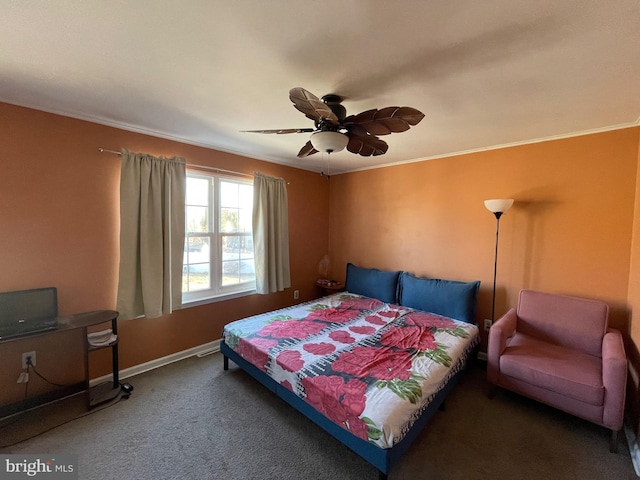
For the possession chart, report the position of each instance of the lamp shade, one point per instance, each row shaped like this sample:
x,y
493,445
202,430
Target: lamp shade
x,y
329,141
498,205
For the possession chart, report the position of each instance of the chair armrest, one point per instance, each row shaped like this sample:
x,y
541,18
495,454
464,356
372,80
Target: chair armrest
x,y
614,379
500,332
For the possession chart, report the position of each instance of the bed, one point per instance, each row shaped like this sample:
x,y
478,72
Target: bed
x,y
370,365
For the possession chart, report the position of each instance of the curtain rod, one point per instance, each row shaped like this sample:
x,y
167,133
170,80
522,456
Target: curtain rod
x,y
104,150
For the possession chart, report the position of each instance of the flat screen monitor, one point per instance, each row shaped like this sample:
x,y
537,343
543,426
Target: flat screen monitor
x,y
28,311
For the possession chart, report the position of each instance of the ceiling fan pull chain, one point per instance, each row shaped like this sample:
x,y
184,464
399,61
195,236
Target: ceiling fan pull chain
x,y
328,165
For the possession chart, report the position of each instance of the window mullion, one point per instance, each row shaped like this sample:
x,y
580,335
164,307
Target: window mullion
x,y
215,235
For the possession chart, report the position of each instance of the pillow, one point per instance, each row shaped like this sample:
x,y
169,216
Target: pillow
x,y
373,283
445,297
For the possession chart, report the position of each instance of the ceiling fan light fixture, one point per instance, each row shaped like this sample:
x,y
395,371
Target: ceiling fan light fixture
x,y
329,142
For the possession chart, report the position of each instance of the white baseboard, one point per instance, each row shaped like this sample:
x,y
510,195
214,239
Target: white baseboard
x,y
200,350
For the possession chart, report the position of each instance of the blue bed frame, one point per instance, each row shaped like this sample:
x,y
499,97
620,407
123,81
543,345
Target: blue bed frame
x,y
381,458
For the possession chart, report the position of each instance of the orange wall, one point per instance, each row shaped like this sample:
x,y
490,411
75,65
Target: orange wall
x,y
634,277
569,230
59,226
634,309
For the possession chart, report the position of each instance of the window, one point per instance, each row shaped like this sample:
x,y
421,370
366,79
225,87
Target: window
x,y
218,251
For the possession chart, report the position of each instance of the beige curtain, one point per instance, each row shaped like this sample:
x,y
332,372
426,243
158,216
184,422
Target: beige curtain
x,y
152,197
270,233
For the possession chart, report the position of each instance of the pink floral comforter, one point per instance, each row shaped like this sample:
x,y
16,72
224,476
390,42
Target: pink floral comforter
x,y
369,366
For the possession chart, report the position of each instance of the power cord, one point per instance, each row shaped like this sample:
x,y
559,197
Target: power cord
x,y
30,366
126,389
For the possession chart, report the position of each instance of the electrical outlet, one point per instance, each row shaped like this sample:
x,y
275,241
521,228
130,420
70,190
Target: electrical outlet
x,y
487,324
296,294
26,355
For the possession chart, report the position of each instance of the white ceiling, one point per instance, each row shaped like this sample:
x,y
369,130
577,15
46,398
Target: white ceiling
x,y
485,73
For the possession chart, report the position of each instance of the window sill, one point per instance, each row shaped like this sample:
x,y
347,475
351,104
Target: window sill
x,y
217,298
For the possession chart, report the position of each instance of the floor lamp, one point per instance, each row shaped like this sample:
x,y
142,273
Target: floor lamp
x,y
497,206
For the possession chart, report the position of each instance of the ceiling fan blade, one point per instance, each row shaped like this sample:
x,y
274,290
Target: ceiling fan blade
x,y
356,129
367,145
386,120
280,131
307,150
312,106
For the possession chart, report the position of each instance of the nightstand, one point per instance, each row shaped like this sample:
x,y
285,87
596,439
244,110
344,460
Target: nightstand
x,y
329,286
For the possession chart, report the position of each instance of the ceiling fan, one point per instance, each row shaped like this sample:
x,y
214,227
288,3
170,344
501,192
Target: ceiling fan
x,y
334,130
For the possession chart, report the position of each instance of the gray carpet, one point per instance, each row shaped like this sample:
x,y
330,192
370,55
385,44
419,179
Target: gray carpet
x,y
192,420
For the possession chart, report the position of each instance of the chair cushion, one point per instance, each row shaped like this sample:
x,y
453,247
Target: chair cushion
x,y
561,370
573,322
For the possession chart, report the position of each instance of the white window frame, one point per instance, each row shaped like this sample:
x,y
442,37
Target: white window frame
x,y
216,291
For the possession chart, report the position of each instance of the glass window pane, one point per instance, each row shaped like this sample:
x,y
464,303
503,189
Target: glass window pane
x,y
196,249
228,194
229,220
230,247
245,221
198,276
246,197
246,247
197,191
230,272
237,259
247,270
197,219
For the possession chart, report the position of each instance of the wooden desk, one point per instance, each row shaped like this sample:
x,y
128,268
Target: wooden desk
x,y
100,393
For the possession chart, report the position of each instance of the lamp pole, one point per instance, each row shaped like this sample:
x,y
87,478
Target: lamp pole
x,y
495,266
497,206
